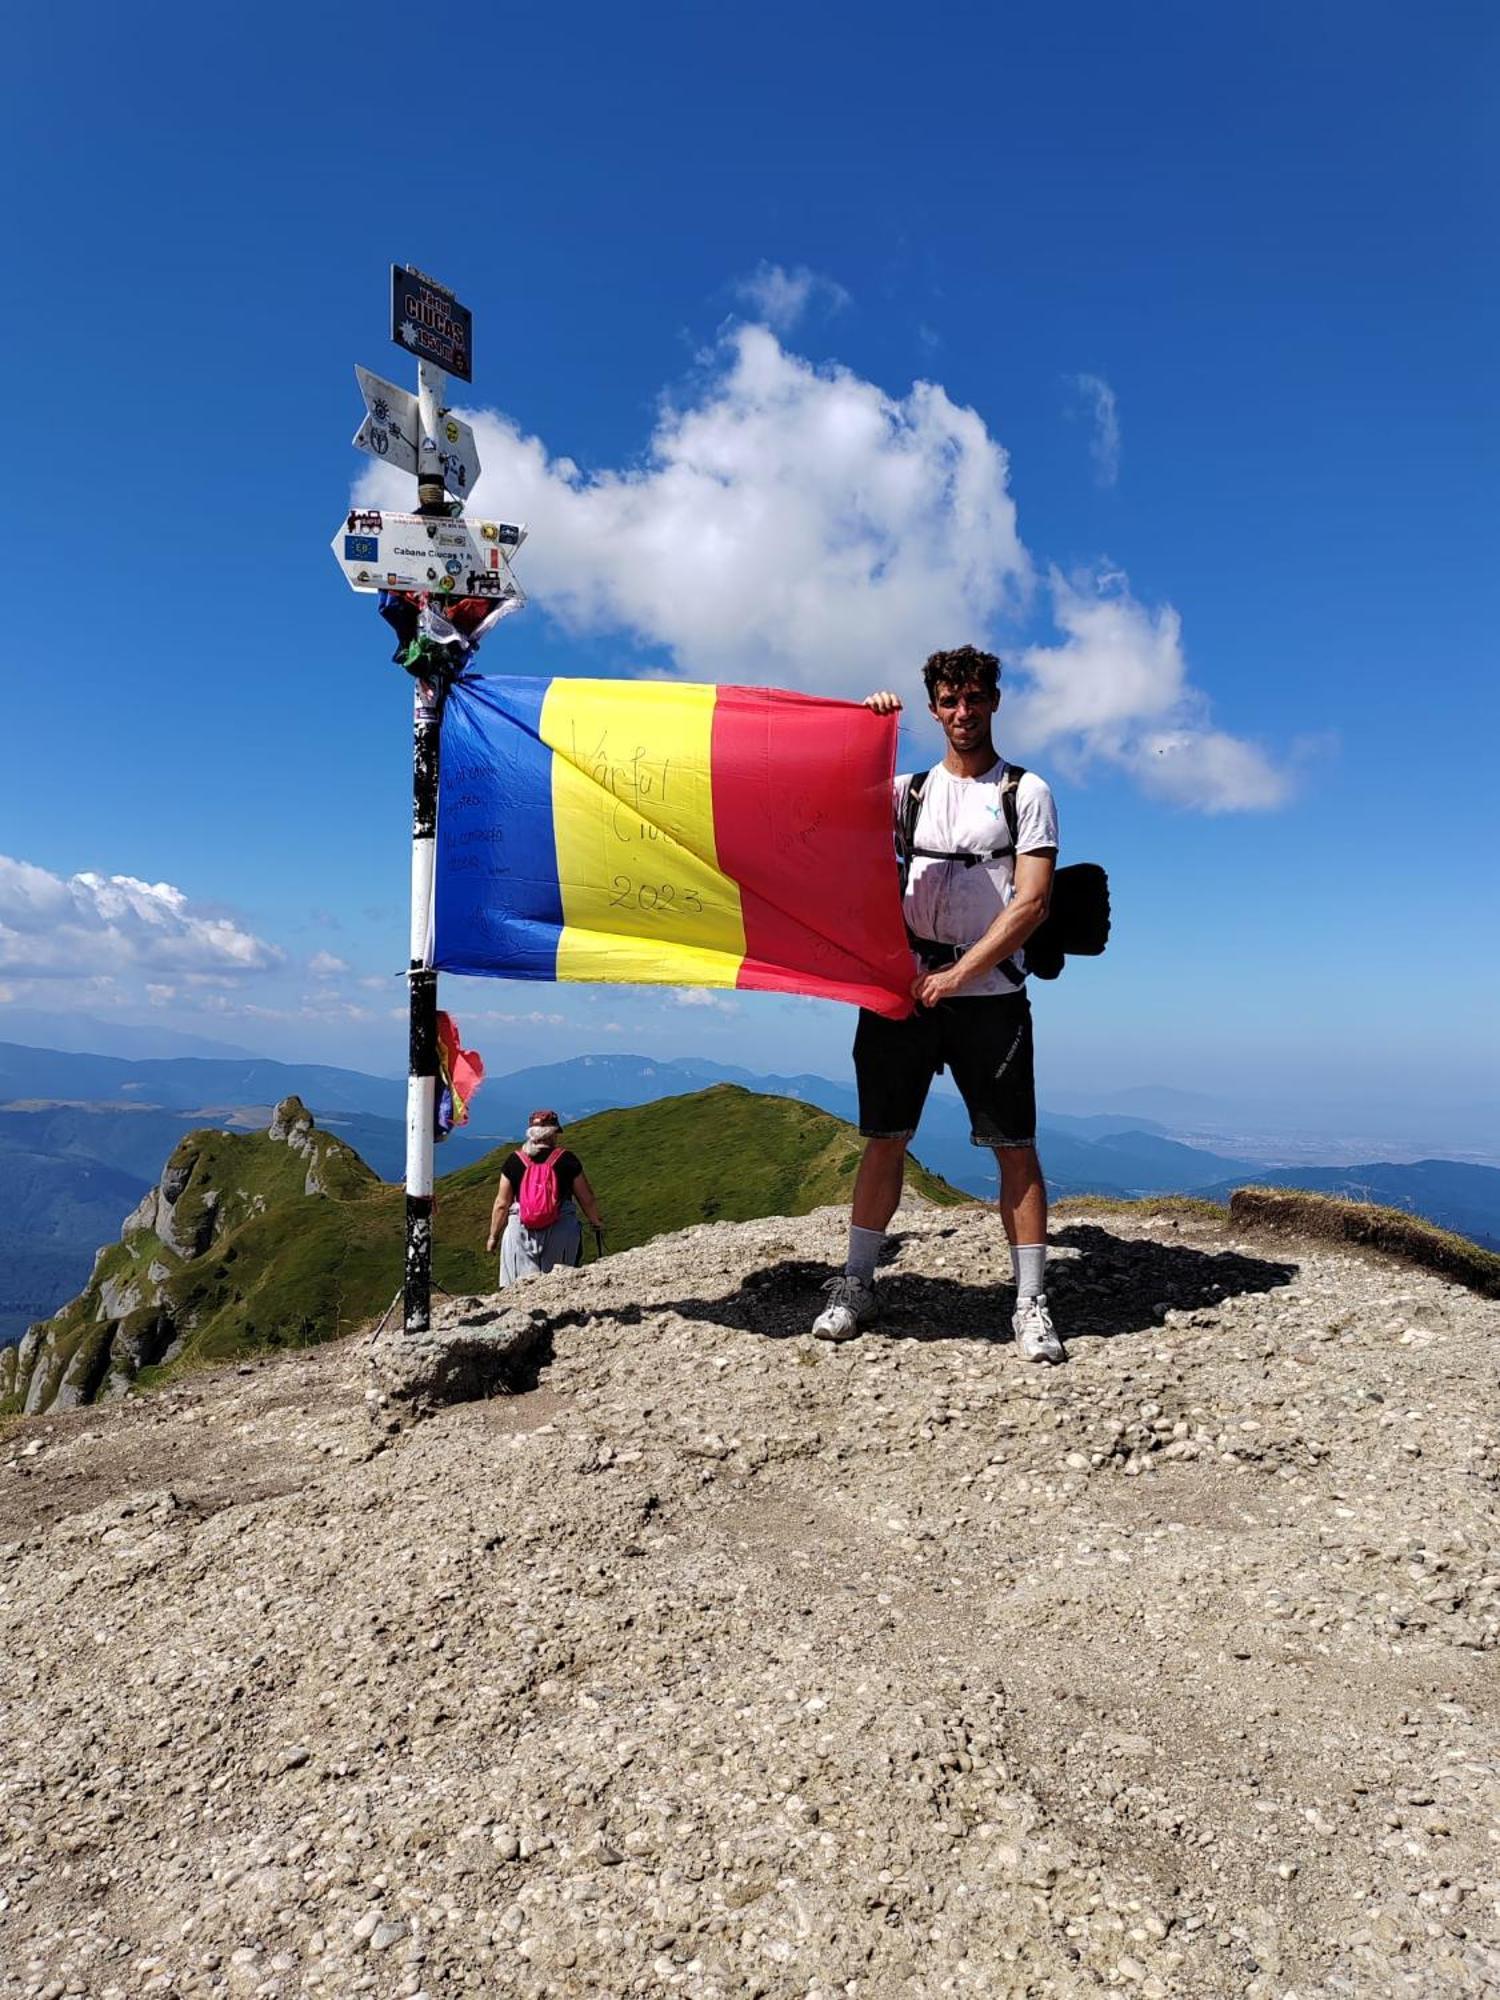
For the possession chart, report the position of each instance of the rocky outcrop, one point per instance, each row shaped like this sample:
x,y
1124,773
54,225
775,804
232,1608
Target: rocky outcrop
x,y
474,1348
187,1228
146,1292
142,1216
120,1293
292,1125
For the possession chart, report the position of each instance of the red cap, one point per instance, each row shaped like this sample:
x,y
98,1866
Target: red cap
x,y
544,1118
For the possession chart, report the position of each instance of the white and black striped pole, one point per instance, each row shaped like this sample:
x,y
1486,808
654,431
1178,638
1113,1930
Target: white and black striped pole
x,y
389,553
422,1058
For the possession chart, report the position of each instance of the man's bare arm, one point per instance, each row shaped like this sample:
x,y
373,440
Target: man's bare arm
x,y
1010,930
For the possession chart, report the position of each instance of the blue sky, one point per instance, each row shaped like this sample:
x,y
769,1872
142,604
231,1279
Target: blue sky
x,y
1206,302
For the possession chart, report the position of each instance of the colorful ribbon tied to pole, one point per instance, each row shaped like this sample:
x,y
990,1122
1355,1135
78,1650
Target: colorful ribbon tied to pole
x,y
661,833
460,1073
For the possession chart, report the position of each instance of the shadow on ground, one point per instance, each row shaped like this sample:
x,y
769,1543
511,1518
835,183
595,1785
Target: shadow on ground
x,y
1110,1286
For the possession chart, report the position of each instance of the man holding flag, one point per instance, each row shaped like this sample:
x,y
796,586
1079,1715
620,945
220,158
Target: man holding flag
x,y
972,896
667,833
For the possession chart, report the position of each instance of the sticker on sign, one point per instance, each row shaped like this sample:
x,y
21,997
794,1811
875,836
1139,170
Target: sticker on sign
x,y
379,551
391,430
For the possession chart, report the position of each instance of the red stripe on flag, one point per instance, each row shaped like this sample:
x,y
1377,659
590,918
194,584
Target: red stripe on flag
x,y
802,822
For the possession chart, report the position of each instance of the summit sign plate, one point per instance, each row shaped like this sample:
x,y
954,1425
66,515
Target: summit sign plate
x,y
427,321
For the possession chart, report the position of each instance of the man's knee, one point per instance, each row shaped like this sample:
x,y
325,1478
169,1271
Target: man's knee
x,y
885,1161
885,1157
888,1146
1019,1165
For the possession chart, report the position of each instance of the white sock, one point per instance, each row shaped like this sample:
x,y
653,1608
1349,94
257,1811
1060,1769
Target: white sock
x,y
864,1248
1029,1262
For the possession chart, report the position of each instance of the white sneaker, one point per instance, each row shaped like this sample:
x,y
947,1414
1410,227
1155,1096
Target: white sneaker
x,y
1032,1325
851,1305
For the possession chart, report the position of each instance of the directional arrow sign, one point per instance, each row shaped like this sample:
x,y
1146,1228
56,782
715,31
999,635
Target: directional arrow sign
x,y
449,557
392,430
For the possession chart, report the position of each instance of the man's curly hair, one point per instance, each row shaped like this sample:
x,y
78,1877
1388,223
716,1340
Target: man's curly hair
x,y
961,668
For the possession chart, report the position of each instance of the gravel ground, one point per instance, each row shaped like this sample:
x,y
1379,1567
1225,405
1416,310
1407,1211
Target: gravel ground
x,y
718,1662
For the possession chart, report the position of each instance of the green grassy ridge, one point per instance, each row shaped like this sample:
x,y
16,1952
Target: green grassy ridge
x,y
1327,1218
1186,1207
1407,1238
720,1155
287,1268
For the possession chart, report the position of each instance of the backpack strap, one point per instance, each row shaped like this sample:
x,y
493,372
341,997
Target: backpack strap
x,y
969,858
1014,971
906,826
933,956
1010,785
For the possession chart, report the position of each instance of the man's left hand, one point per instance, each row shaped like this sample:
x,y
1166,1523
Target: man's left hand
x,y
930,987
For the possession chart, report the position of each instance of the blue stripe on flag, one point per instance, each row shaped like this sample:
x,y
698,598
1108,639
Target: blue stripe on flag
x,y
499,908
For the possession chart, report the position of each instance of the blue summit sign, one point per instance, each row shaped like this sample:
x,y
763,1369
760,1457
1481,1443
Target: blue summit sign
x,y
427,321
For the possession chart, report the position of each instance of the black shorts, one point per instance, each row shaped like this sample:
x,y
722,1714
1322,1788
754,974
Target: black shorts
x,y
986,1042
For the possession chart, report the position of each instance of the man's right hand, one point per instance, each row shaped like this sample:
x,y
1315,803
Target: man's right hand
x,y
884,702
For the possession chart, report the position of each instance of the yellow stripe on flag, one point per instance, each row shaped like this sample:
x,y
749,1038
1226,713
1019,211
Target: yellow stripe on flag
x,y
632,809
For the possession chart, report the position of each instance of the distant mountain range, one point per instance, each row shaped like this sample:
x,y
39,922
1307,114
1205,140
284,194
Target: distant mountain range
x,y
83,1136
41,1029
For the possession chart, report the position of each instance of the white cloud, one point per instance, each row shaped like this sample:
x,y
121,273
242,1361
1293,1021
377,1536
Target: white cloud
x,y
798,526
494,1017
324,965
1116,690
1104,446
795,525
85,925
704,996
1208,769
323,1005
779,297
320,1006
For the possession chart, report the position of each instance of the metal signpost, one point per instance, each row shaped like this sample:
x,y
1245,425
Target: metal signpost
x,y
436,559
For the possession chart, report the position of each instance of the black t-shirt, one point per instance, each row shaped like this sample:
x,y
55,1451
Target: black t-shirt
x,y
567,1166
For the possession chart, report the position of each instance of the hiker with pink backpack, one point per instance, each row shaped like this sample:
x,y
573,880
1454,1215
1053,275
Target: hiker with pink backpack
x,y
535,1217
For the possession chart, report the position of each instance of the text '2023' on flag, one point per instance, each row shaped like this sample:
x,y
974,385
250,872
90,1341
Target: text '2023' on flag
x,y
662,833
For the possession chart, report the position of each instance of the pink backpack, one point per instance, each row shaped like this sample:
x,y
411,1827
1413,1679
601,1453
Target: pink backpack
x,y
540,1200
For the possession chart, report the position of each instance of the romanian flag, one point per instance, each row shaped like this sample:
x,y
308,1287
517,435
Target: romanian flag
x,y
460,1073
660,833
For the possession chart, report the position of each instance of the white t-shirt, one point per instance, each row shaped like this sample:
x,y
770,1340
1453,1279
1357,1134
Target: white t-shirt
x,y
950,901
